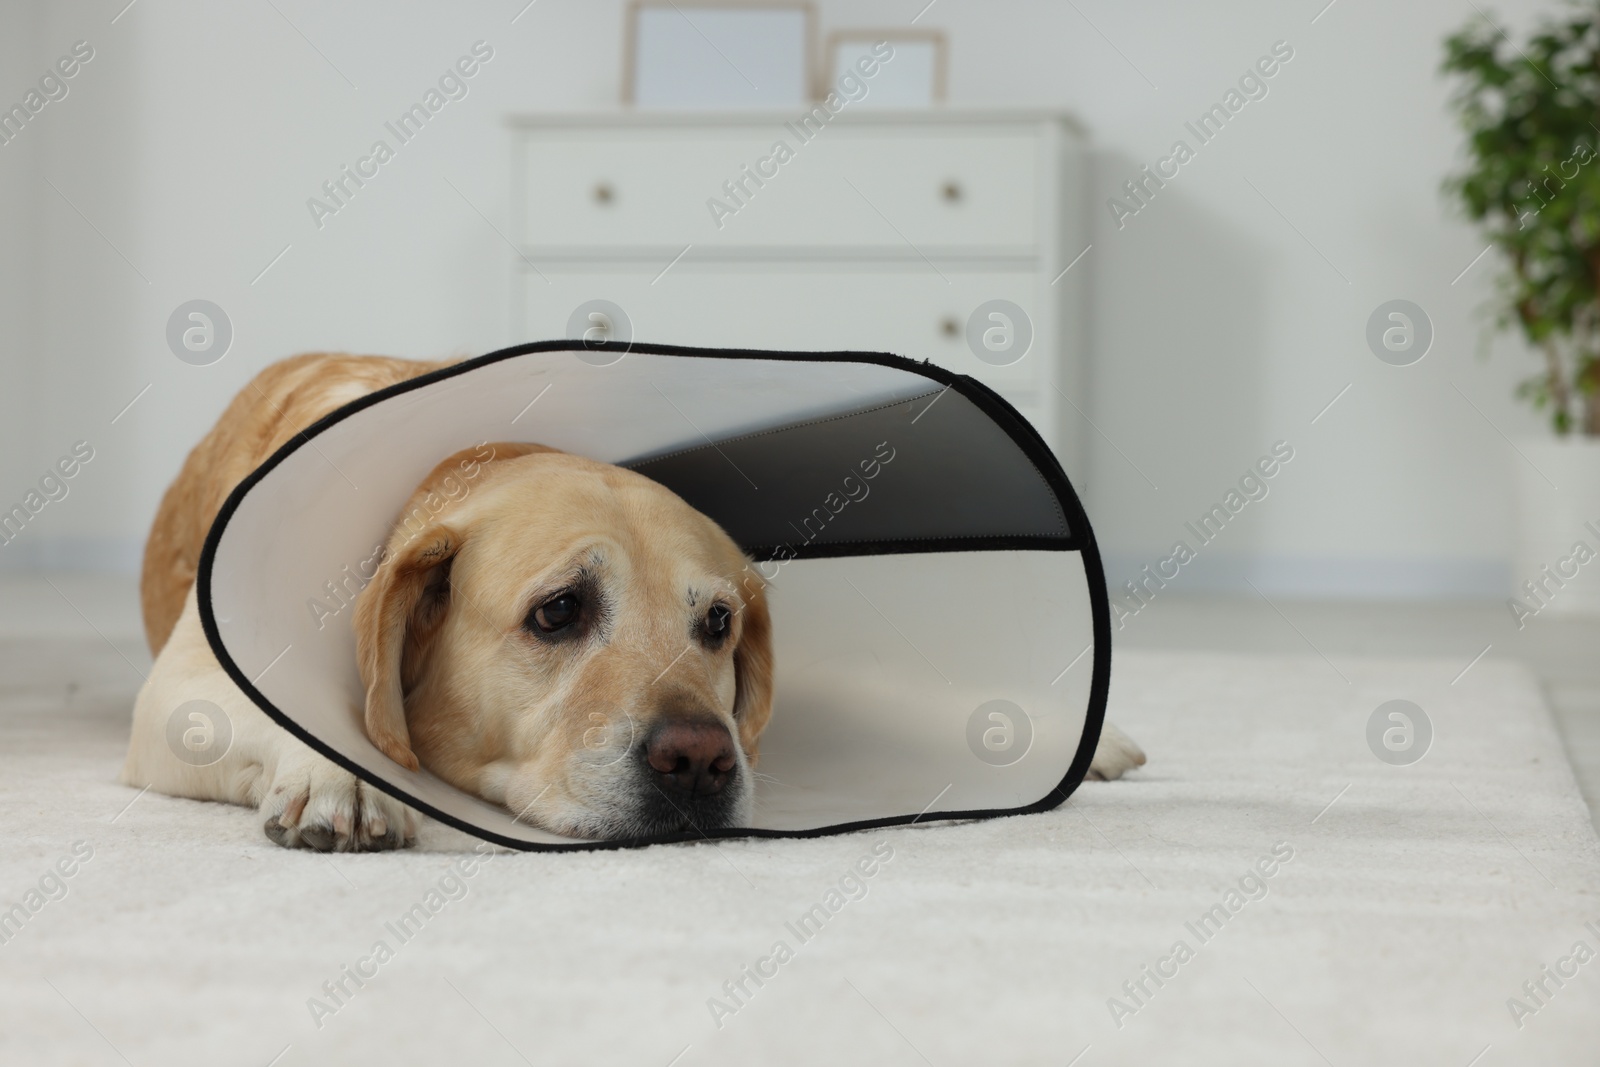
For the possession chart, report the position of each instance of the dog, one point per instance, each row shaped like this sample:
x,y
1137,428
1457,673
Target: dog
x,y
569,640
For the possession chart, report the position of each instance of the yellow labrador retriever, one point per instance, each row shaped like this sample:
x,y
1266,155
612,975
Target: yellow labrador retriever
x,y
570,640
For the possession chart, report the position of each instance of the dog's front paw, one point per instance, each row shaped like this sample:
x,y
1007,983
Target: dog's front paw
x,y
314,804
1114,756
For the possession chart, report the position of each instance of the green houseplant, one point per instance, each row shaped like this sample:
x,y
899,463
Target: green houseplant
x,y
1532,181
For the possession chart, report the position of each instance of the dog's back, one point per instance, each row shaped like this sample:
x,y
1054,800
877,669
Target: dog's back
x,y
278,403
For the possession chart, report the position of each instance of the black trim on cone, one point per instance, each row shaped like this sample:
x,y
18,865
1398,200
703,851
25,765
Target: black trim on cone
x,y
991,403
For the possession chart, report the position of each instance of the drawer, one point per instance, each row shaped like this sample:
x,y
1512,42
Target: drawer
x,y
903,193
916,315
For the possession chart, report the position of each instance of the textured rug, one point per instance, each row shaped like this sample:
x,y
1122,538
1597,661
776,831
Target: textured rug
x,y
1265,890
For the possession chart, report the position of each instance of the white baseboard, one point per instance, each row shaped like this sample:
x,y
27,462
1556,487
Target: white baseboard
x,y
1324,577
86,555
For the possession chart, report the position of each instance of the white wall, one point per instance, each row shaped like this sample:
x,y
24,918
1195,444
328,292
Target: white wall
x,y
193,139
19,270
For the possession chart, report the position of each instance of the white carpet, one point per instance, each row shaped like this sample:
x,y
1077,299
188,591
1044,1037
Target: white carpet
x,y
1412,908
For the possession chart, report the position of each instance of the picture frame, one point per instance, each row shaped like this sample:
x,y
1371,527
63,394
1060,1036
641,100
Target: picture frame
x,y
705,54
918,76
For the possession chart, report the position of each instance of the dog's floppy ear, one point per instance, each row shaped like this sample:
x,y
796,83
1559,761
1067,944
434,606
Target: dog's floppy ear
x,y
401,610
752,668
395,618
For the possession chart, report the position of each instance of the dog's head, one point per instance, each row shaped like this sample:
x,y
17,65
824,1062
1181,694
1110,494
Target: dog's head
x,y
570,640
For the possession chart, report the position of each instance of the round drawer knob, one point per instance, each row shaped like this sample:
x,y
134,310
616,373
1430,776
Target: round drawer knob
x,y
951,191
949,327
604,193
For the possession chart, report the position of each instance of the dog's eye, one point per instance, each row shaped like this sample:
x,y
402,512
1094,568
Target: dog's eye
x,y
557,613
718,619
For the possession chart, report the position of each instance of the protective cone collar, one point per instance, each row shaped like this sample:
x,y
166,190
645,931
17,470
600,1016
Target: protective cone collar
x,y
942,632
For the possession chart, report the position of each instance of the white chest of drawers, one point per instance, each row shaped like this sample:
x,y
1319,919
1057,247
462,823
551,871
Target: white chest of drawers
x,y
878,231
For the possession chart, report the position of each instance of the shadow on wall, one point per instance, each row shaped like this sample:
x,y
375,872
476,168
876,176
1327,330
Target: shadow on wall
x,y
1178,357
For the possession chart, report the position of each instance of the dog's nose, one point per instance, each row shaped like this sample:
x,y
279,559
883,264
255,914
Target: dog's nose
x,y
690,757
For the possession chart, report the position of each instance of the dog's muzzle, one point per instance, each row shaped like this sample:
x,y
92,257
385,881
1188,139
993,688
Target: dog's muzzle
x,y
693,779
